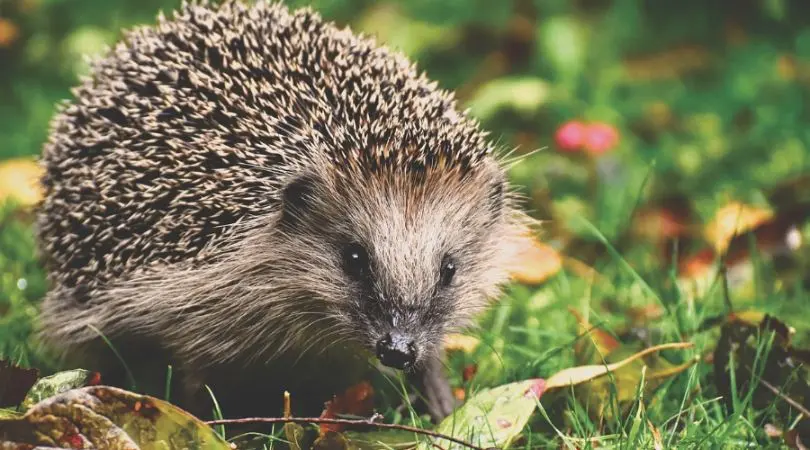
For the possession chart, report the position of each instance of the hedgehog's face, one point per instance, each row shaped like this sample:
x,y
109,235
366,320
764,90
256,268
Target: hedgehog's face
x,y
402,260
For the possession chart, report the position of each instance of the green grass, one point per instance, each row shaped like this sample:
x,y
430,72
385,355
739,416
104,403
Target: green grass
x,y
730,128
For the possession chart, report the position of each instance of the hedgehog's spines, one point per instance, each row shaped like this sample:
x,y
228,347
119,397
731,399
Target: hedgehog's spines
x,y
164,176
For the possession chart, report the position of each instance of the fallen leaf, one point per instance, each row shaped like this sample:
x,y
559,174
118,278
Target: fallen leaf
x,y
6,413
107,417
460,342
781,381
357,400
8,33
15,382
797,440
537,263
492,417
624,383
582,374
296,436
19,180
641,315
382,439
731,220
469,372
658,442
698,264
603,342
58,383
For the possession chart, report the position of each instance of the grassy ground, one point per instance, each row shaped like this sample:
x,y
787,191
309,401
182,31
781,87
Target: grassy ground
x,y
701,107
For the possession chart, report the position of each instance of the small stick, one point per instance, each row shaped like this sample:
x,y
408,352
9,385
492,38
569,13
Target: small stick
x,y
785,397
370,422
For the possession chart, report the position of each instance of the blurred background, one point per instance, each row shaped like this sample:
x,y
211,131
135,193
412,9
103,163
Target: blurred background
x,y
658,139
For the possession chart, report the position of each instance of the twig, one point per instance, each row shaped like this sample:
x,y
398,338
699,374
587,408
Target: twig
x,y
784,397
370,422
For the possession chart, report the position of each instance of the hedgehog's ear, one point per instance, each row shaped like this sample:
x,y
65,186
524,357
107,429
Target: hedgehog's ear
x,y
298,198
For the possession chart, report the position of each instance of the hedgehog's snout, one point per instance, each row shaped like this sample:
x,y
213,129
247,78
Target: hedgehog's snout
x,y
397,349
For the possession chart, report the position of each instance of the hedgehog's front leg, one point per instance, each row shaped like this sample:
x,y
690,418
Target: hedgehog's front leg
x,y
432,383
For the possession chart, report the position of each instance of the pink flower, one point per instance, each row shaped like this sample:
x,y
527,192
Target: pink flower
x,y
600,137
571,136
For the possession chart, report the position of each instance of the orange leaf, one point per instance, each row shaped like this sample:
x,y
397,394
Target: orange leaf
x,y
604,342
643,314
357,400
537,263
698,264
658,443
8,32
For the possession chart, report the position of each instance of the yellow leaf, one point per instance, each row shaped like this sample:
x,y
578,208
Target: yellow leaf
x,y
537,263
734,219
581,374
460,342
19,181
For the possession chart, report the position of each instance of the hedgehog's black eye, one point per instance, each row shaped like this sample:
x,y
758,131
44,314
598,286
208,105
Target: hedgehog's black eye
x,y
447,271
355,260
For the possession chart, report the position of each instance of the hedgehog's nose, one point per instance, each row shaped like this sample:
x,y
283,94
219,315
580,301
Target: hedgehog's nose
x,y
396,350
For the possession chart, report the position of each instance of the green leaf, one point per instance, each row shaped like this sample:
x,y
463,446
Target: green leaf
x,y
491,418
58,383
6,413
562,42
523,94
295,435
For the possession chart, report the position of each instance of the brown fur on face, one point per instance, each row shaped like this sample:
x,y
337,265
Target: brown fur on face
x,y
409,224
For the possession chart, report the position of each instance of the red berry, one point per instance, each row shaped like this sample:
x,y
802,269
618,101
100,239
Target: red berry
x,y
600,137
571,136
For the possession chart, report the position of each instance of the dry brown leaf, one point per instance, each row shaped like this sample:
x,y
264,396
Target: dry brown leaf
x,y
731,220
658,443
537,263
19,180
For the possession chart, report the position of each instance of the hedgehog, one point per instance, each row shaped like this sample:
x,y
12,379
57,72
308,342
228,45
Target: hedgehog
x,y
252,194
